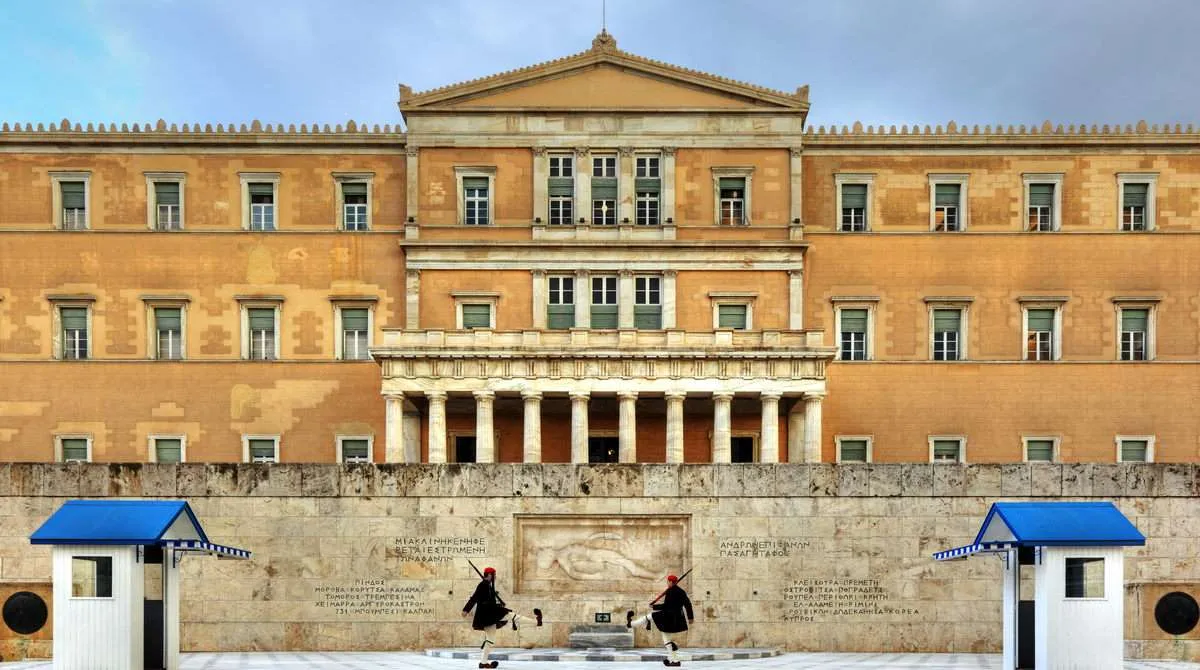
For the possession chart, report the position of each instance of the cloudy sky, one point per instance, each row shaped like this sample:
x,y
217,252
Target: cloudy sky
x,y
879,61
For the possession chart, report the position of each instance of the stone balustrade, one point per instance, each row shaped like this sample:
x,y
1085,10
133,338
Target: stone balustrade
x,y
724,342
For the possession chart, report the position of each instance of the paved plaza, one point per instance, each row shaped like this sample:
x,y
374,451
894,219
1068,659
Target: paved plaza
x,y
402,660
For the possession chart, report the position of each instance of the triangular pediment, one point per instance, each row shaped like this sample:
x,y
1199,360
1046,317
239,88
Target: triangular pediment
x,y
604,78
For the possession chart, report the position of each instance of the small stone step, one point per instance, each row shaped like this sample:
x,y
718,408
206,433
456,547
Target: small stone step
x,y
593,636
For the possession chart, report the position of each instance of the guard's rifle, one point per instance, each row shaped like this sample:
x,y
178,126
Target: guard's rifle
x,y
498,598
681,578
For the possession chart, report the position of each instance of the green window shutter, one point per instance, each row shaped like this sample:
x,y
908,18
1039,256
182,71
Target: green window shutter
x,y
945,450
731,316
168,450
1039,450
854,451
560,317
475,183
262,449
166,192
262,318
946,195
355,450
1135,195
944,320
1133,450
604,188
261,188
72,194
1041,195
647,317
74,318
738,183
647,185
168,318
476,316
1134,320
1041,319
74,449
561,186
354,188
604,316
354,319
854,196
854,320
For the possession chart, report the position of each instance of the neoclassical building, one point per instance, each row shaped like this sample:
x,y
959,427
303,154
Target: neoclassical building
x,y
600,258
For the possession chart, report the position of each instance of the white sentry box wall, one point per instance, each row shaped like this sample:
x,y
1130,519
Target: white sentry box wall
x,y
98,633
1079,633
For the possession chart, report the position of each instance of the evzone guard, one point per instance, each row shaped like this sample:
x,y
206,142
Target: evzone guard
x,y
668,617
490,613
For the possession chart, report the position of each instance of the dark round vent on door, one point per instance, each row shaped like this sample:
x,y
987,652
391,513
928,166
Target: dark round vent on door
x,y
25,612
1177,613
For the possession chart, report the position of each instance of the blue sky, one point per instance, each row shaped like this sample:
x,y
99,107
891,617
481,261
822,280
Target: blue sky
x,y
326,61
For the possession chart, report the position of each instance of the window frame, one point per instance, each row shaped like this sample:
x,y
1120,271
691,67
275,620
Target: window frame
x,y
247,438
862,302
842,179
111,577
58,446
604,160
462,172
868,455
152,445
153,178
248,178
550,291
58,216
1151,307
645,201
339,345
744,298
963,212
1055,178
569,161
491,298
59,335
153,303
1150,441
962,305
755,445
962,448
1103,579
733,172
1150,179
339,447
1054,441
245,305
1055,304
340,179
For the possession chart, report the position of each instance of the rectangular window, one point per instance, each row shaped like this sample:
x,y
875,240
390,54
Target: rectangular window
x,y
647,167
1135,450
562,166
263,449
475,205
562,208
261,321
75,449
947,200
647,303
168,450
262,205
355,449
1041,207
1133,206
91,576
732,201
168,206
476,315
852,450
647,186
604,302
354,205
732,315
853,335
1135,323
1039,344
168,329
74,332
1039,450
1084,578
464,449
74,204
560,313
604,190
854,208
356,333
561,189
947,329
741,449
604,449
947,451
604,167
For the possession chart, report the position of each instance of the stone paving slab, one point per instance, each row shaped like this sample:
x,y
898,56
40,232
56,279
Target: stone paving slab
x,y
418,661
604,654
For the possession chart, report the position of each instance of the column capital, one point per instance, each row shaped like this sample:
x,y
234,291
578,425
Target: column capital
x,y
797,152
675,395
579,395
394,395
484,394
539,151
797,272
668,151
436,395
582,274
531,394
670,274
582,151
814,397
625,151
538,272
411,150
625,274
413,274
627,395
723,395
771,395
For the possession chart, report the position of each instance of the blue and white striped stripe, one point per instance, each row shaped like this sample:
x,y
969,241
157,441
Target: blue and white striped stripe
x,y
963,552
206,547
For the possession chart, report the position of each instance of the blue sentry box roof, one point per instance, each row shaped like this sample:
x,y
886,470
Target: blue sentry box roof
x,y
113,522
1063,523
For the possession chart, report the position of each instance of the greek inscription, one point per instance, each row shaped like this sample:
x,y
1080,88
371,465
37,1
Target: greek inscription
x,y
760,547
813,600
372,598
439,549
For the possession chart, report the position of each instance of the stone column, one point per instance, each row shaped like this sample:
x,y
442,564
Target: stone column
x,y
796,432
628,426
668,299
579,426
796,299
394,412
541,174
485,435
675,426
540,299
583,185
412,299
412,193
583,299
796,187
812,427
437,426
533,426
624,186
624,299
722,449
668,185
768,448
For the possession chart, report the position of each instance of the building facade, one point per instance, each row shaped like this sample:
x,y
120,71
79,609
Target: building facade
x,y
601,258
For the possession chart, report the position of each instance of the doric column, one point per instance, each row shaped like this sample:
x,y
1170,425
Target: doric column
x,y
540,299
412,299
394,413
668,299
485,435
796,299
722,432
628,426
437,426
579,426
812,427
533,426
583,299
675,426
795,440
768,447
624,299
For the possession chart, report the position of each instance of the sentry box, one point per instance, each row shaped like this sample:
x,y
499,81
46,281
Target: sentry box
x,y
116,580
1070,555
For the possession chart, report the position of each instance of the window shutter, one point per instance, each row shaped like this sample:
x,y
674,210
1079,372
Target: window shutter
x,y
604,316
944,320
946,195
604,188
854,196
261,188
1041,195
354,188
477,316
647,185
1041,319
72,194
1135,194
74,318
262,318
1039,450
355,450
731,316
475,183
166,192
561,186
1133,450
168,318
168,450
1134,320
354,319
854,321
945,450
738,183
854,451
560,317
647,317
262,449
74,449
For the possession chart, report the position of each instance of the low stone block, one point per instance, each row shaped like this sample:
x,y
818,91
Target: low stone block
x,y
93,480
887,479
759,480
559,480
594,636
59,479
949,480
660,480
697,480
730,480
918,479
527,480
823,479
1015,480
320,480
1077,479
1141,479
609,480
419,480
1108,480
25,479
222,479
1177,480
125,480
277,480
854,480
490,479
981,480
792,479
191,480
1046,480
159,480
452,480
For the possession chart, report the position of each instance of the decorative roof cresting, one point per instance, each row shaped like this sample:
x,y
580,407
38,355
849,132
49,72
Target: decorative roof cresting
x,y
604,42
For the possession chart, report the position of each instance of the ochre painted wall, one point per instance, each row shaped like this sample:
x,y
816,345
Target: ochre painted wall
x,y
512,202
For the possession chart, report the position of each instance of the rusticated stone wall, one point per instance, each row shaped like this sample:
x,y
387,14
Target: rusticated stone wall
x,y
804,557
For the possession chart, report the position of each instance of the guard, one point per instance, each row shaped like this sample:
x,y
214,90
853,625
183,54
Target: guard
x,y
667,617
490,613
